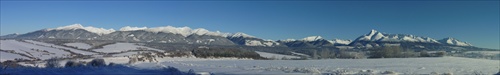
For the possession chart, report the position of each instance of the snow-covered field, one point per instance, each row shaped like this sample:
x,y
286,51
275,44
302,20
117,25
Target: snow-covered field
x,y
438,65
12,49
79,45
441,65
32,50
57,46
275,56
119,47
9,56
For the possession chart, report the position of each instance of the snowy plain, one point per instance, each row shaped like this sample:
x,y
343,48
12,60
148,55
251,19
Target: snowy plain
x,y
57,46
32,50
437,65
119,47
440,65
9,56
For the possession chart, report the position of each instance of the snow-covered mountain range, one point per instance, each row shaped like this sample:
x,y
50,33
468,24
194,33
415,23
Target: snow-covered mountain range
x,y
187,35
375,38
184,31
378,36
453,41
314,41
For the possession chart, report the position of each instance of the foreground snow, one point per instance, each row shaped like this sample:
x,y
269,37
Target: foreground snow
x,y
91,70
453,65
439,65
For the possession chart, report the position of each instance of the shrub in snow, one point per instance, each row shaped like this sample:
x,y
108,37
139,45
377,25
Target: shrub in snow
x,y
424,53
434,73
112,64
9,63
447,73
350,55
191,71
307,70
52,62
440,54
132,59
365,72
387,52
389,73
340,72
97,63
74,64
225,52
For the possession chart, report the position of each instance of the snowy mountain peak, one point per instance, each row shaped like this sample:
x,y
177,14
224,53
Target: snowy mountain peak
x,y
340,41
312,38
99,31
379,36
240,34
372,36
453,41
373,32
449,38
73,26
128,28
288,40
184,31
201,31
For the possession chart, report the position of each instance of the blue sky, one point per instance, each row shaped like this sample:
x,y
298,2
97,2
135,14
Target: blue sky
x,y
476,22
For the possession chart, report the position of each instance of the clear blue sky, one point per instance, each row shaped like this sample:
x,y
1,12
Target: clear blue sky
x,y
476,22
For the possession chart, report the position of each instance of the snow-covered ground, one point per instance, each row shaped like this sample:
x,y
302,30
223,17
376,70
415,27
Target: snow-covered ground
x,y
57,46
79,45
119,47
9,56
275,56
438,65
32,50
441,65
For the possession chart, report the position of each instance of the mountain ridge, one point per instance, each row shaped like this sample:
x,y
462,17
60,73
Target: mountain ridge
x,y
170,34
